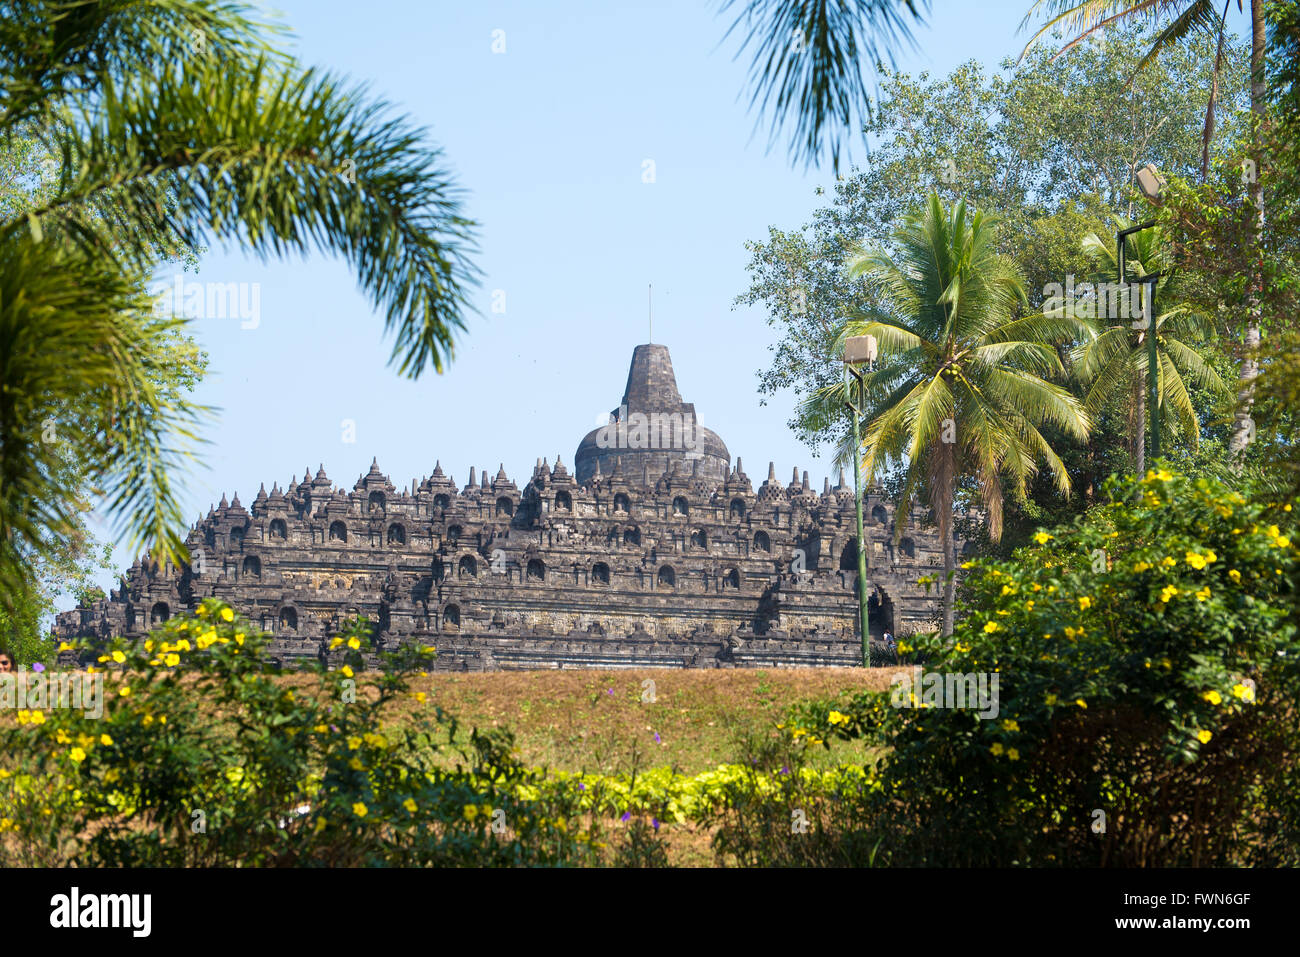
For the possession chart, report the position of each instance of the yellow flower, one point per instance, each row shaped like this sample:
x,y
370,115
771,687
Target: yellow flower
x,y
62,736
1010,724
336,643
409,804
1042,538
1037,587
172,660
239,639
965,565
77,755
1081,703
38,717
354,642
356,765
1013,754
1203,594
1195,560
1244,692
64,646
421,697
360,810
1168,592
1212,696
1166,663
1070,633
347,671
1204,736
1085,603
1282,542
227,615
354,743
1029,605
1235,576
119,657
836,717
996,748
990,627
183,645
471,812
105,740
1272,531
320,824
1169,561
1050,699
124,691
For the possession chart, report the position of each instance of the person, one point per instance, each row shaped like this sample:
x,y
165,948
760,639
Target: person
x,y
7,662
889,641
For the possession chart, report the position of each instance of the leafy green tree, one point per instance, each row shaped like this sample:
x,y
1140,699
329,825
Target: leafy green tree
x,y
1114,358
1052,148
173,122
1178,21
959,389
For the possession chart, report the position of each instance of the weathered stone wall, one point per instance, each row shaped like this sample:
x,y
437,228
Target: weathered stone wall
x,y
625,569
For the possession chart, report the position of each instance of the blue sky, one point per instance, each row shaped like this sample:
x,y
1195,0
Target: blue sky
x,y
549,140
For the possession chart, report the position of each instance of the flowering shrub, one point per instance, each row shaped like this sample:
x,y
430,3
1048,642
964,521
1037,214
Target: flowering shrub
x,y
1149,665
678,798
206,755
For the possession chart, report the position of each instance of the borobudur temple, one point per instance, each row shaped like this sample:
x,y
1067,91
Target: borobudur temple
x,y
653,552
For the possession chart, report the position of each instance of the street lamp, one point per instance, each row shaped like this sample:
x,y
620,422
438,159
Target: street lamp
x,y
859,351
1152,185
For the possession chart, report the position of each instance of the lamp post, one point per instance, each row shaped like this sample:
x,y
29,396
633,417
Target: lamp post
x,y
1152,185
859,350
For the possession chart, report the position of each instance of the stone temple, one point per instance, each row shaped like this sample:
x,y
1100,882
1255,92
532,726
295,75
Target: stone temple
x,y
653,552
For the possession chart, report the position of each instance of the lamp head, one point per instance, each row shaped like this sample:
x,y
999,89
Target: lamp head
x,y
1150,182
860,349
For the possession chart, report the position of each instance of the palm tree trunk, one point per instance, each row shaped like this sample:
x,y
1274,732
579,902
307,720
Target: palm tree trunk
x,y
1243,427
946,496
1207,133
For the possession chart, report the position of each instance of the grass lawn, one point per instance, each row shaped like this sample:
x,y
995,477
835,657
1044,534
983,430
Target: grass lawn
x,y
597,721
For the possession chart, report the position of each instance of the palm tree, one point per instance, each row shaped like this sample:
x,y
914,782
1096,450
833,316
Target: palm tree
x,y
1113,359
809,54
960,388
1179,18
172,123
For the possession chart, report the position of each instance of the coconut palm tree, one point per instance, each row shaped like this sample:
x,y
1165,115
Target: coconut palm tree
x,y
1178,19
173,123
1114,358
960,389
809,54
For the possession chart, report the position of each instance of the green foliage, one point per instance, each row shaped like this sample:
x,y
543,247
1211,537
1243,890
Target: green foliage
x,y
1149,660
196,719
1113,359
810,54
1050,148
157,127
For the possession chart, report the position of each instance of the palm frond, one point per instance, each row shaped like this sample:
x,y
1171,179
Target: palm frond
x,y
808,62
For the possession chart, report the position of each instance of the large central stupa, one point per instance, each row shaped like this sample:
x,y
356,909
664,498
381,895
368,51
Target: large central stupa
x,y
657,553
